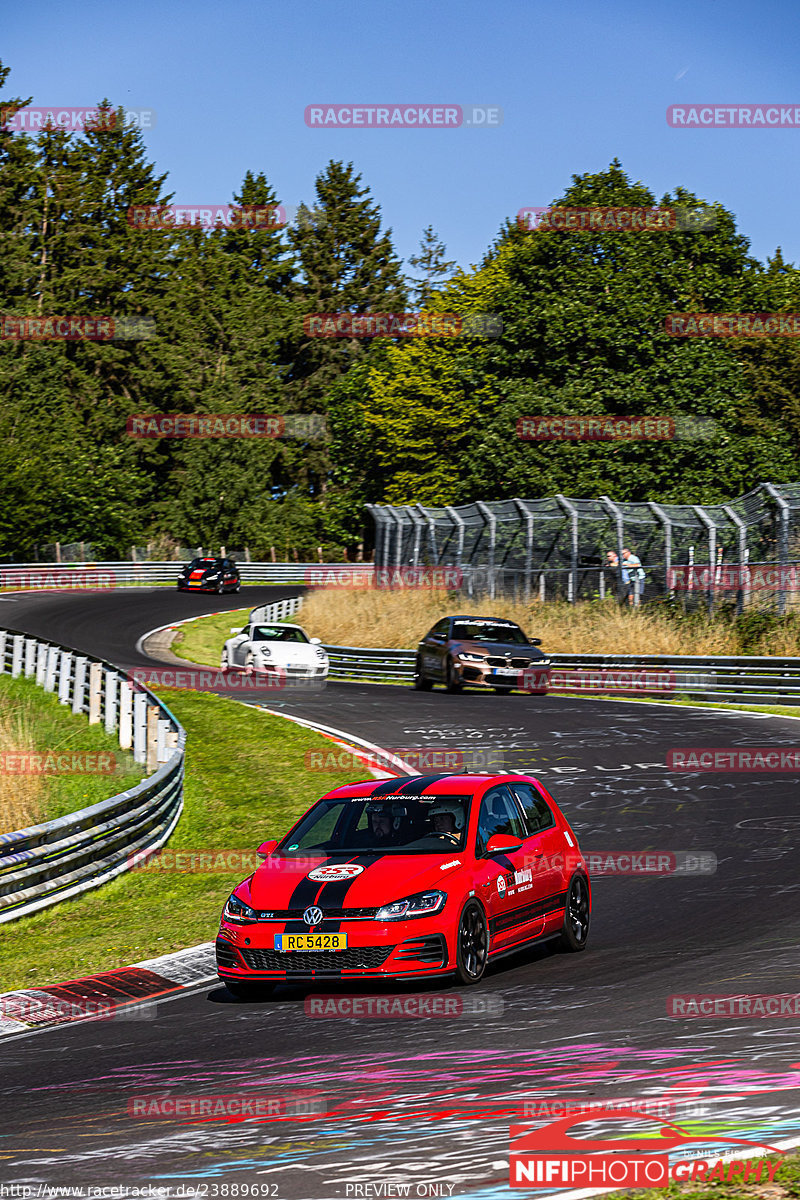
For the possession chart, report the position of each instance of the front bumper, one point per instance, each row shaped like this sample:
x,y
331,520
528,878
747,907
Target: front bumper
x,y
530,675
391,950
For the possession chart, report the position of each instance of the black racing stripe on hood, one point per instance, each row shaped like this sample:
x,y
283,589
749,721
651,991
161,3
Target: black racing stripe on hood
x,y
310,891
417,786
388,787
333,894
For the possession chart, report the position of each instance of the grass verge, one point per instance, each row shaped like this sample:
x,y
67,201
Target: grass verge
x,y
32,722
245,781
201,641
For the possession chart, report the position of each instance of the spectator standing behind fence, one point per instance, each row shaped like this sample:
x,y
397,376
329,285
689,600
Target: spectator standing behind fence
x,y
632,577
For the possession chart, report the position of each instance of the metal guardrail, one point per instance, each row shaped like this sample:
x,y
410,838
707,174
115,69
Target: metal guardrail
x,y
56,860
279,611
728,679
25,576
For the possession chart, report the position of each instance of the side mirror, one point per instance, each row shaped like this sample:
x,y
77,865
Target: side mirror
x,y
502,843
316,641
535,641
265,849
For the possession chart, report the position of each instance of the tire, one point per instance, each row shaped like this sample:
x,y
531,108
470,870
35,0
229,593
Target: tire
x,y
248,661
577,916
451,683
250,991
220,589
421,684
238,588
472,944
224,664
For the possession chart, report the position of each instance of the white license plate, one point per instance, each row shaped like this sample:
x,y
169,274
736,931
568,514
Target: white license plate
x,y
506,671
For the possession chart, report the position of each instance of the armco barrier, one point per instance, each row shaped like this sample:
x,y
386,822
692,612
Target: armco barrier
x,y
726,679
58,859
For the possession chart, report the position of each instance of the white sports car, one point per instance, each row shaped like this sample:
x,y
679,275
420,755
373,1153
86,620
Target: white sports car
x,y
278,649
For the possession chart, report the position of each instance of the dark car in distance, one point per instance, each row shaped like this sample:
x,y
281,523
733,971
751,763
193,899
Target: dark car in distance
x,y
209,575
480,652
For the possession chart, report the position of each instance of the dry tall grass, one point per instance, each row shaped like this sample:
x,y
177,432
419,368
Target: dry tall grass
x,y
21,796
398,619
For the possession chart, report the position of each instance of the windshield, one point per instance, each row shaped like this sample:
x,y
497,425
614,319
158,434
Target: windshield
x,y
277,633
203,564
384,825
489,631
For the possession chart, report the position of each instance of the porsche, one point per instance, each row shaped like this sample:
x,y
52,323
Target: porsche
x,y
408,877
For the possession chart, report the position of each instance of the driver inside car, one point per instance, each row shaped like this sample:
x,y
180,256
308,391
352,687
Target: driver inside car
x,y
447,819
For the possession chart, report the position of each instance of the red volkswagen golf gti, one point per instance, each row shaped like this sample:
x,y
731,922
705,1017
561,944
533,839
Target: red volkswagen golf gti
x,y
415,876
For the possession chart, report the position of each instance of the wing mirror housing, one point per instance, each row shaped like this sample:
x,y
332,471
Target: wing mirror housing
x,y
502,843
266,848
535,641
315,641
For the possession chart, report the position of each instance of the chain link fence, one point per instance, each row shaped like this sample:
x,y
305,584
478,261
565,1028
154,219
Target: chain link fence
x,y
746,552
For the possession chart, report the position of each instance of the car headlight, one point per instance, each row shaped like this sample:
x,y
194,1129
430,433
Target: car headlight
x,y
471,657
421,905
236,910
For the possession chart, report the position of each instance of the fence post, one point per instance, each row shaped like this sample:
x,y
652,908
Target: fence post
x,y
528,515
152,739
783,542
572,513
665,521
18,646
741,529
31,658
711,530
80,684
140,727
40,655
3,640
112,679
64,677
491,521
95,692
125,715
51,667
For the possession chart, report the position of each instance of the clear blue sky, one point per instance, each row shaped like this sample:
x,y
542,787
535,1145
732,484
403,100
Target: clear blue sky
x,y
580,83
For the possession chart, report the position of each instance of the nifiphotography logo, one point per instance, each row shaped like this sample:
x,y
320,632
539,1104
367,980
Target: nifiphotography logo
x,y
548,1157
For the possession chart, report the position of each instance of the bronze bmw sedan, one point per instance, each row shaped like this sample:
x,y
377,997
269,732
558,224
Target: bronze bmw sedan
x,y
480,652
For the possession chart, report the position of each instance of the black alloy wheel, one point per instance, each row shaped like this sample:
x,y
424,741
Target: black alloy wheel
x,y
472,944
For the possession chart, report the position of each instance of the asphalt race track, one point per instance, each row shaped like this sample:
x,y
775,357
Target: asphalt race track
x,y
429,1102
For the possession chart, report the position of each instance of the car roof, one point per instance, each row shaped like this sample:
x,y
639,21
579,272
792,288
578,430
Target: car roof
x,y
277,625
421,785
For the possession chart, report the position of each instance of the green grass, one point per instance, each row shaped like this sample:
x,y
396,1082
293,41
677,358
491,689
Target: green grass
x,y
55,729
202,641
246,781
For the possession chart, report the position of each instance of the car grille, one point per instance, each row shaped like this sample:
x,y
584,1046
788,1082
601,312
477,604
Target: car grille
x,y
329,914
301,962
521,663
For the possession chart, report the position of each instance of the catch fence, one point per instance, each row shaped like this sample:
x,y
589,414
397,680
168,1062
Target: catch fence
x,y
747,551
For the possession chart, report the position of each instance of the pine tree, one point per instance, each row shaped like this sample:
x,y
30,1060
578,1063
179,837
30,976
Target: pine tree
x,y
434,269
